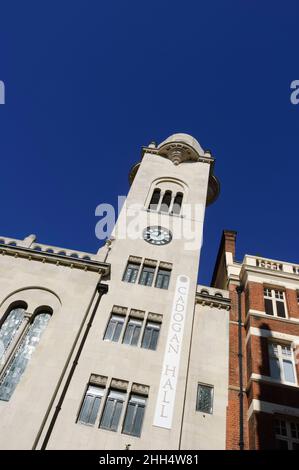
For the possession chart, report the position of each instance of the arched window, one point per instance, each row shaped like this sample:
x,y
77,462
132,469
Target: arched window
x,y
9,328
166,201
177,203
154,202
22,356
166,195
204,292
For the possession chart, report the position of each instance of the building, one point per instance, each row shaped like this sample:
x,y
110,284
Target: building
x,y
263,349
116,350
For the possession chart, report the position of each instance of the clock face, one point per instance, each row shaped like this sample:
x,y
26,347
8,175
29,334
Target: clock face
x,y
157,235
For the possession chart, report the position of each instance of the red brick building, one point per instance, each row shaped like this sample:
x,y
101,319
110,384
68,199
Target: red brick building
x,y
263,404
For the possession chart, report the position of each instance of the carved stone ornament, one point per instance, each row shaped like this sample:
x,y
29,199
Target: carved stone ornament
x,y
140,389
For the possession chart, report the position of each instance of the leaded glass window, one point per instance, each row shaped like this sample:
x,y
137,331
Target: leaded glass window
x,y
22,356
204,401
9,329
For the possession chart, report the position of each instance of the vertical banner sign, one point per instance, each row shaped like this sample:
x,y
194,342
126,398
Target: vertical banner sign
x,y
172,355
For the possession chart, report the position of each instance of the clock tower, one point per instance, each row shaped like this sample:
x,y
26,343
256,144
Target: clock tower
x,y
137,354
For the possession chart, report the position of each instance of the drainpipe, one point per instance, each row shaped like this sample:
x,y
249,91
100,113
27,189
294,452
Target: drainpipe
x,y
239,291
101,289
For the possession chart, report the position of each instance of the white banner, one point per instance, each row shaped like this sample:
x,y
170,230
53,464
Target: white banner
x,y
172,355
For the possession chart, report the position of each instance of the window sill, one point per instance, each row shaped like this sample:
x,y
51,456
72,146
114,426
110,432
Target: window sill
x,y
271,380
180,216
258,314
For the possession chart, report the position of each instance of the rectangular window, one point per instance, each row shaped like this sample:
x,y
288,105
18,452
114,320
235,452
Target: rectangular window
x,y
163,278
112,411
147,275
151,335
204,402
282,366
114,328
287,434
134,415
91,404
275,303
132,332
131,272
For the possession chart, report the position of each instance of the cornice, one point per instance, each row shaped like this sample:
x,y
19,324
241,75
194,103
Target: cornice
x,y
212,301
54,258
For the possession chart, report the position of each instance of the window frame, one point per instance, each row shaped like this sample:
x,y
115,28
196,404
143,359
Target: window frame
x,y
126,270
288,427
133,321
275,296
164,276
18,345
281,358
151,269
112,316
101,395
138,402
109,398
212,395
157,326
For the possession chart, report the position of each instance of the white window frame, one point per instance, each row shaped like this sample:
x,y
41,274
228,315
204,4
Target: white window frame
x,y
288,438
273,295
280,356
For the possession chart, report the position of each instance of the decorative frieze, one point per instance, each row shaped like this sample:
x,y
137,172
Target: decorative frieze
x,y
119,384
99,380
140,389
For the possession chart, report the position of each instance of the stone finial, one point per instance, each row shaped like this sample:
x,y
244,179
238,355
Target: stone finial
x,y
27,242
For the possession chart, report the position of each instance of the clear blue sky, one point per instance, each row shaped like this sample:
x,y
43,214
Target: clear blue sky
x,y
89,82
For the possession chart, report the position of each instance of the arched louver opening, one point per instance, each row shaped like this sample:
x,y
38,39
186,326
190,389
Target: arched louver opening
x,y
166,201
22,356
177,203
9,328
153,205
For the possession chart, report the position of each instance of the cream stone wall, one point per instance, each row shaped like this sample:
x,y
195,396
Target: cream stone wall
x,y
68,291
208,365
134,364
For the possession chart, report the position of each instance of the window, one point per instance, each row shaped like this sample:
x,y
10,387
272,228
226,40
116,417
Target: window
x,y
131,272
275,303
282,365
132,332
114,328
204,402
166,201
163,277
154,203
147,275
151,335
287,434
177,204
22,356
91,404
9,328
112,411
134,415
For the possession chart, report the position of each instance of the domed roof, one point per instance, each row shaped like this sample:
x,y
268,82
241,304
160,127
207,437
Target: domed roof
x,y
184,139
